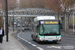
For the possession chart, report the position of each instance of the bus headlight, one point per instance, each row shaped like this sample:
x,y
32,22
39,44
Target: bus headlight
x,y
59,38
40,38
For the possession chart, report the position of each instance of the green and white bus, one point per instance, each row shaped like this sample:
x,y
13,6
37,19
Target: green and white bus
x,y
46,28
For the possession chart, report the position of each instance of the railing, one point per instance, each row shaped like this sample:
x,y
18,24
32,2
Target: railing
x,y
32,12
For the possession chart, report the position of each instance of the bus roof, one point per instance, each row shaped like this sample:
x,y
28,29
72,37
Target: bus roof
x,y
44,18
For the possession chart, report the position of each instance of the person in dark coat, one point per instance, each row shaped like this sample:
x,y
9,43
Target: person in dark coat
x,y
1,34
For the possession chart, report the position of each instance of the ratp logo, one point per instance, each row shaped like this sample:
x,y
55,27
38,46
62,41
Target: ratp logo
x,y
42,22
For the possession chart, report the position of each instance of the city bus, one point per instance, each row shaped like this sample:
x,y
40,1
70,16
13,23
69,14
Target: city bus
x,y
46,28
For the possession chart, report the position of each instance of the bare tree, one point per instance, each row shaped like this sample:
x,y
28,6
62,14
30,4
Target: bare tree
x,y
12,4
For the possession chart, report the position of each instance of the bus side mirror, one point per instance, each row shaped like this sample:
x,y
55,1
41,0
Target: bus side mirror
x,y
38,25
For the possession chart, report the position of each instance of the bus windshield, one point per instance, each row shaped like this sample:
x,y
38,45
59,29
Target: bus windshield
x,y
49,30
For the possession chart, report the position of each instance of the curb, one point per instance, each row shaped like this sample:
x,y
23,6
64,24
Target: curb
x,y
17,42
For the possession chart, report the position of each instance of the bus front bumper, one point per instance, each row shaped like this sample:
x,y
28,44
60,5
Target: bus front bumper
x,y
50,40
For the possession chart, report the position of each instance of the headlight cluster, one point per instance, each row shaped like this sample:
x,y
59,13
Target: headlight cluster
x,y
59,38
41,38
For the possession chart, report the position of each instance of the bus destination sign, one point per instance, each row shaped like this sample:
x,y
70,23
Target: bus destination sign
x,y
49,22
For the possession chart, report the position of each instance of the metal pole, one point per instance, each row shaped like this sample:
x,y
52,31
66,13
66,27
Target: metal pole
x,y
73,23
6,10
13,20
10,22
65,21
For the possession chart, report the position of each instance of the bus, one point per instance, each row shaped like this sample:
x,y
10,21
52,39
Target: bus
x,y
46,28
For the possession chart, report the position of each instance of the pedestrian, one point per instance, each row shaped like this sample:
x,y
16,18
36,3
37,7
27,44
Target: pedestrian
x,y
1,34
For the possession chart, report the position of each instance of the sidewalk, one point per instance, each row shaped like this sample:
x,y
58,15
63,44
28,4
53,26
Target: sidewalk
x,y
68,33
12,44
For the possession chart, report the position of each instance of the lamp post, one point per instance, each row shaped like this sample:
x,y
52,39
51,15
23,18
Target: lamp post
x,y
6,19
